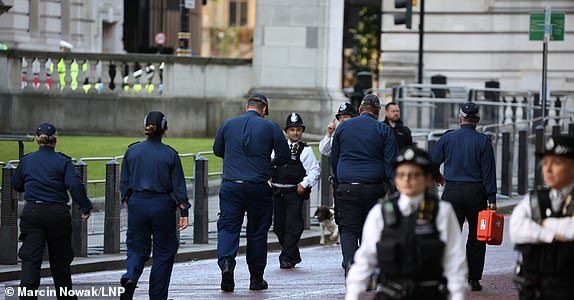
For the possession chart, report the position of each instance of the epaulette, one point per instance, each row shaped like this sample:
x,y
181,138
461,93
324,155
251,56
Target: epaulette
x,y
450,130
170,147
303,143
64,155
133,144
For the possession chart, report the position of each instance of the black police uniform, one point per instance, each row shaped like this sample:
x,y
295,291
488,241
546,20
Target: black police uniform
x,y
470,175
245,143
153,185
288,211
362,156
402,133
546,268
45,176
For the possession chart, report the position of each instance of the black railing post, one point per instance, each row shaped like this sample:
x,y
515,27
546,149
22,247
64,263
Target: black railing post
x,y
112,208
539,133
571,129
506,176
522,162
201,201
79,225
326,191
556,130
8,218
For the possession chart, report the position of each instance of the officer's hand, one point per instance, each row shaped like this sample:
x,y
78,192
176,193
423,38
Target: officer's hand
x,y
492,206
439,180
183,222
300,189
85,216
331,128
560,238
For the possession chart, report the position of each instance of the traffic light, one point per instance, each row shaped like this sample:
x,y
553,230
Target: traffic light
x,y
404,17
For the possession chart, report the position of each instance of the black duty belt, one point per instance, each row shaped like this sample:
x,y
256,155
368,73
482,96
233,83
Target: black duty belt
x,y
45,202
245,181
363,183
463,182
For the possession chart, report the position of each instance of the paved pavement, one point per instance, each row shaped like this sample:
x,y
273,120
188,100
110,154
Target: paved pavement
x,y
319,276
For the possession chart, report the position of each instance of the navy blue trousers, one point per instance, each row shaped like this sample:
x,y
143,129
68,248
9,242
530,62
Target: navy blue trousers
x,y
151,216
234,201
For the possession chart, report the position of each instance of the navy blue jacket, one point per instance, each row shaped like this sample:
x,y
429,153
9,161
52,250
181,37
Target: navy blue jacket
x,y
363,151
153,167
245,143
468,157
47,175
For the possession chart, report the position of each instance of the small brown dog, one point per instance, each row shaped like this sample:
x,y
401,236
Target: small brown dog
x,y
325,215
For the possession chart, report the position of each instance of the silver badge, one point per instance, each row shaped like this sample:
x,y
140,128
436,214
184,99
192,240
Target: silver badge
x,y
549,144
293,117
548,212
561,150
409,154
342,107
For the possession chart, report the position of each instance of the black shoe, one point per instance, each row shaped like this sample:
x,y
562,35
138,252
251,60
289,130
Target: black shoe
x,y
257,283
286,265
129,286
475,285
347,270
227,281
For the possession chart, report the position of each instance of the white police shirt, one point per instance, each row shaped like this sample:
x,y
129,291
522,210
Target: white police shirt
x,y
310,164
523,230
326,144
453,260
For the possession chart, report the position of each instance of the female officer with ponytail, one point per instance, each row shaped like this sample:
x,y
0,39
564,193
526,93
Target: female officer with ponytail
x,y
45,177
153,186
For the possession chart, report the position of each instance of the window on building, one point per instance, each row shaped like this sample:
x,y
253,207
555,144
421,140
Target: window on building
x,y
238,13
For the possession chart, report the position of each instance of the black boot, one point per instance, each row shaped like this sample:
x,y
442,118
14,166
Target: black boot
x,y
227,281
257,282
475,285
129,286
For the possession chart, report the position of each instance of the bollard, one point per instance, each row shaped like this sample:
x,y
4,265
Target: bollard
x,y
538,180
307,214
112,208
326,192
201,201
80,226
556,130
8,218
506,176
571,129
522,162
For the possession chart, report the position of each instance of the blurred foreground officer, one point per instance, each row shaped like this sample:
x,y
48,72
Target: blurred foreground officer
x,y
45,177
245,143
542,227
411,240
470,175
345,112
361,158
393,119
292,185
153,186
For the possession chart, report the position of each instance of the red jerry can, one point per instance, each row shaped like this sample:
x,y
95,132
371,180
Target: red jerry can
x,y
490,227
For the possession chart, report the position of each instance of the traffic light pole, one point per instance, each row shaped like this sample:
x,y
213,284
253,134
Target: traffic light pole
x,y
421,41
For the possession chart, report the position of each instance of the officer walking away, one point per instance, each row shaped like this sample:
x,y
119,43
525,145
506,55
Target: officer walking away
x,y
362,156
393,119
245,143
411,240
470,175
542,227
345,112
292,185
153,186
45,177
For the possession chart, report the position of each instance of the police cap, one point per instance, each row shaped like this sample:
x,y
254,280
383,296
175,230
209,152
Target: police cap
x,y
46,128
294,120
371,100
561,145
346,109
156,118
469,110
258,97
416,156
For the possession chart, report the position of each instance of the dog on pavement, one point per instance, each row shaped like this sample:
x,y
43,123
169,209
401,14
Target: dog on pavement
x,y
325,215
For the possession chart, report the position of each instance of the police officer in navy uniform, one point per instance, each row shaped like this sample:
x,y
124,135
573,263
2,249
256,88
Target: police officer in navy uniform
x,y
153,186
393,119
411,240
362,156
470,175
245,143
292,185
344,113
542,227
45,177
